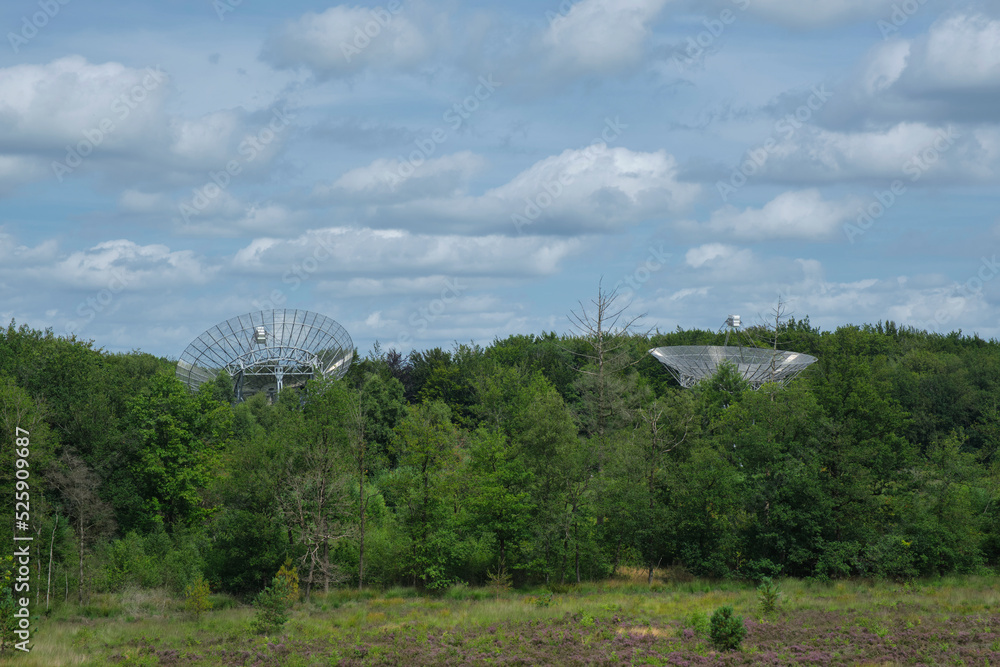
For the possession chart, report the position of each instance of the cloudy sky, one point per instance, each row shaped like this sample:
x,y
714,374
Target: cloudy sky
x,y
431,172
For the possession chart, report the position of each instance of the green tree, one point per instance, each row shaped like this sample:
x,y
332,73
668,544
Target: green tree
x,y
383,405
706,511
499,501
374,410
171,452
560,466
776,437
18,410
942,510
661,428
8,605
717,393
866,461
424,485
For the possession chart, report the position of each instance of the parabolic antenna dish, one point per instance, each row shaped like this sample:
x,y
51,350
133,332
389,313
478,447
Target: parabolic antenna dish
x,y
691,363
261,350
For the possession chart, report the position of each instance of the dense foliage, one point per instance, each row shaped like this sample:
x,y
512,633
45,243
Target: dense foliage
x,y
547,458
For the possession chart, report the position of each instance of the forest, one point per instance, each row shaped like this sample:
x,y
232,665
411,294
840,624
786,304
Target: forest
x,y
538,459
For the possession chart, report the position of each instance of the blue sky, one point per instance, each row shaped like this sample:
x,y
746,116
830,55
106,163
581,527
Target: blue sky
x,y
426,173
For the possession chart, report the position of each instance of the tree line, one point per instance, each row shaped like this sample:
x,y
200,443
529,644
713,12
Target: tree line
x,y
543,458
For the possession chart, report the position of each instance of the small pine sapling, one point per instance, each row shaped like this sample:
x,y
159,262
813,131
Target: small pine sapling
x,y
768,595
727,631
500,579
196,597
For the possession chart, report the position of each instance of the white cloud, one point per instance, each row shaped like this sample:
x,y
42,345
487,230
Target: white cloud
x,y
207,140
600,188
599,36
924,302
960,52
718,279
576,192
949,74
72,115
702,255
70,102
365,287
911,152
56,103
698,292
118,265
132,265
345,40
14,256
342,251
231,218
800,214
886,63
394,180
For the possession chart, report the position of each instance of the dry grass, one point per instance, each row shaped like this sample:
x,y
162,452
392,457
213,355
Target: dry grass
x,y
140,621
642,631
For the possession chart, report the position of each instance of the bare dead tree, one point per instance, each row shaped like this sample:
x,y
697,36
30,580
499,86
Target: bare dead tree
x,y
312,494
91,516
768,333
778,316
605,329
313,501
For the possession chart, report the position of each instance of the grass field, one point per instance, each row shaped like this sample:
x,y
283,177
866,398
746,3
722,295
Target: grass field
x,y
951,621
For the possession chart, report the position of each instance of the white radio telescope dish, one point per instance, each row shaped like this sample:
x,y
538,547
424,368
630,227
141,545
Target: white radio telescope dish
x,y
689,364
261,350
